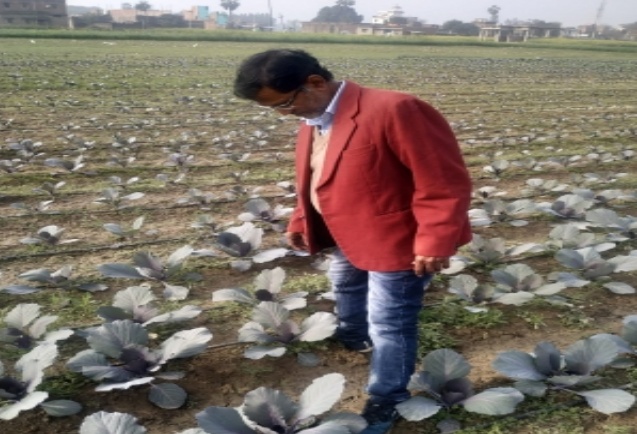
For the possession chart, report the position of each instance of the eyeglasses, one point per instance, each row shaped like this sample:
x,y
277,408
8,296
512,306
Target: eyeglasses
x,y
289,103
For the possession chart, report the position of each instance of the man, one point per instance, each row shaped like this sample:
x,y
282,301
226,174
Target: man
x,y
380,177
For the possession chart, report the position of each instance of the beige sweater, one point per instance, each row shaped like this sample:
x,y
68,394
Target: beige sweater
x,y
319,149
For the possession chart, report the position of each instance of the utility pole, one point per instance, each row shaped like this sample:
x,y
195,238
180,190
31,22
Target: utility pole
x,y
598,18
271,16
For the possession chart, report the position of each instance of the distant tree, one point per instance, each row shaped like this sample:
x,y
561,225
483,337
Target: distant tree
x,y
230,6
534,22
168,21
457,27
542,23
260,20
494,11
342,12
88,20
398,20
143,6
514,22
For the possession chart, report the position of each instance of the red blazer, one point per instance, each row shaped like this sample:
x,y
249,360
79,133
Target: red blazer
x,y
394,184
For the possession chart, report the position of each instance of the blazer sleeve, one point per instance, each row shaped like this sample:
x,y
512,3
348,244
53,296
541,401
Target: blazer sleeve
x,y
295,223
424,142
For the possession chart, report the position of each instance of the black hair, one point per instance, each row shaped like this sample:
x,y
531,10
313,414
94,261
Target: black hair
x,y
281,70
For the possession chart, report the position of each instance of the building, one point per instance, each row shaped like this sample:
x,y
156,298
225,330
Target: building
x,y
519,33
335,28
196,13
394,15
201,18
397,30
33,13
128,16
392,22
630,34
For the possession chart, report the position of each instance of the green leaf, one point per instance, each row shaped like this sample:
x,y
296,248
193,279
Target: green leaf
x,y
494,402
111,423
418,408
624,263
222,420
119,271
353,422
259,351
514,298
588,355
446,365
22,315
629,331
137,224
112,313
86,358
35,362
167,395
30,401
517,365
269,255
270,314
114,228
183,314
573,380
175,292
179,256
321,395
269,407
271,280
254,332
61,407
532,388
185,343
619,288
548,358
318,326
20,289
609,401
233,294
132,297
111,338
38,328
107,387
309,360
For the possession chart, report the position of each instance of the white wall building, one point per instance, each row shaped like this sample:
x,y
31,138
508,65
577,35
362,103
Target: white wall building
x,y
384,17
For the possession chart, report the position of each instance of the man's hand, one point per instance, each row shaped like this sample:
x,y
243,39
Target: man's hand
x,y
430,264
296,240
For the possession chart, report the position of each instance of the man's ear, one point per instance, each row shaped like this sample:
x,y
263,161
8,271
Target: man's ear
x,y
315,81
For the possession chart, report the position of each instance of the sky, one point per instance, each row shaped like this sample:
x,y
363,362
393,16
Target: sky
x,y
568,12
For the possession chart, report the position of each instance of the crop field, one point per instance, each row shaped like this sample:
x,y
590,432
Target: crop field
x,y
143,271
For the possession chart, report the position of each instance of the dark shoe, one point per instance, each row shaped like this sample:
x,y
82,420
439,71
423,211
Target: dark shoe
x,y
380,417
360,347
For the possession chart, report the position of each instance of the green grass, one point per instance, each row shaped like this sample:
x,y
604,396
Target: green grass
x,y
66,385
452,313
312,283
470,44
73,307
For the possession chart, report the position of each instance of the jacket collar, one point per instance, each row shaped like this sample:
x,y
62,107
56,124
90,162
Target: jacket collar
x,y
342,129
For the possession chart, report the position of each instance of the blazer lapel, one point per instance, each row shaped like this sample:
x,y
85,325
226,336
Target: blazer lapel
x,y
343,127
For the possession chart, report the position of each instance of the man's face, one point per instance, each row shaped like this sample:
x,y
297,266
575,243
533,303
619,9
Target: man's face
x,y
307,101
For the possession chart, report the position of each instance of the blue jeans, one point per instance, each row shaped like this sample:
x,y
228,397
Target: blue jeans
x,y
382,307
